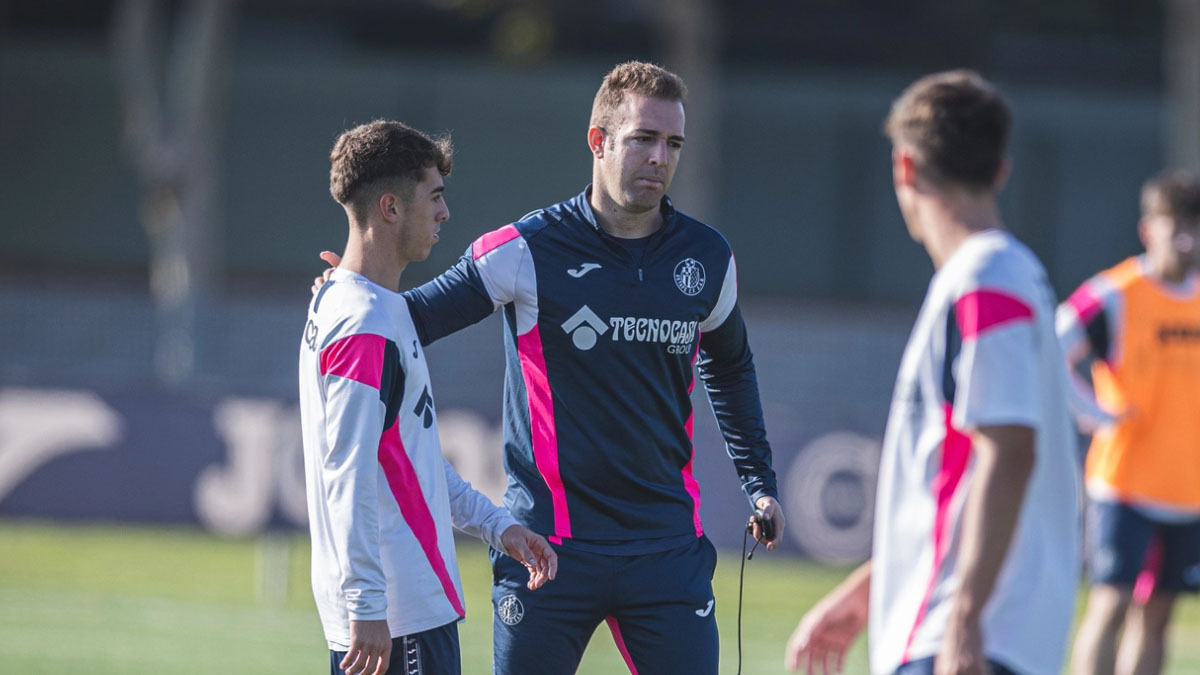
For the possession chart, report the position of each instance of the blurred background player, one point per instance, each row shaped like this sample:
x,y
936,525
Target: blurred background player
x,y
1138,326
610,299
382,500
974,566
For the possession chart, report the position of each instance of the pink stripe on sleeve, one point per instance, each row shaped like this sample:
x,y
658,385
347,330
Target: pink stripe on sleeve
x,y
402,479
355,357
620,642
493,240
956,450
1085,303
542,427
982,310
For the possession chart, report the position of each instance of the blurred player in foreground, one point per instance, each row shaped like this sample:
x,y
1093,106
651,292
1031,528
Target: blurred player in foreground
x,y
611,299
382,500
1138,326
975,557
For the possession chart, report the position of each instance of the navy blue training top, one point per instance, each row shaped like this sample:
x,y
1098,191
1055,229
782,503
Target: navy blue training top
x,y
601,353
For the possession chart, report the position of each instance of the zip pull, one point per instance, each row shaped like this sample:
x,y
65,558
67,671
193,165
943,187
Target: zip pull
x,y
639,274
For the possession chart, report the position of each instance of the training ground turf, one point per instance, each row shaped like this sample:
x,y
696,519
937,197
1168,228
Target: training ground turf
x,y
130,600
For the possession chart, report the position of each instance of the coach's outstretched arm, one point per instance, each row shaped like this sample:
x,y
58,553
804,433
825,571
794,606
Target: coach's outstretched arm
x,y
465,294
455,299
826,632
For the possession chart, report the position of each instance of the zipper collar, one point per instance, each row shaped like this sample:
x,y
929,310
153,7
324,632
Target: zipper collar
x,y
581,205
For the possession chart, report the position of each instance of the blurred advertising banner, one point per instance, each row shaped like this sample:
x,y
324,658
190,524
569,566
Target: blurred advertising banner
x,y
86,434
234,466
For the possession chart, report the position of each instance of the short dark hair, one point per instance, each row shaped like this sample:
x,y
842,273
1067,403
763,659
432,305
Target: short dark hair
x,y
956,125
635,77
1174,193
369,155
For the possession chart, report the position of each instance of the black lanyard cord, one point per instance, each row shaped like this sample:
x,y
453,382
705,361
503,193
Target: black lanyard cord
x,y
741,581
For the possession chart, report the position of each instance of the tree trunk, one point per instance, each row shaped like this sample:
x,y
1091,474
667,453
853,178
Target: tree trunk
x,y
172,86
692,35
1181,66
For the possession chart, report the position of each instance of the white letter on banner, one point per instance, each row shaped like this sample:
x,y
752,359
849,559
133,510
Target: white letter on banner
x,y
38,425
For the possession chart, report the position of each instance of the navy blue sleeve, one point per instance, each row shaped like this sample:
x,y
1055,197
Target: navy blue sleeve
x,y
391,384
1097,334
727,369
454,300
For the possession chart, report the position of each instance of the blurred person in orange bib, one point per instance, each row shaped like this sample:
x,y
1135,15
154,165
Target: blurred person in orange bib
x,y
1137,325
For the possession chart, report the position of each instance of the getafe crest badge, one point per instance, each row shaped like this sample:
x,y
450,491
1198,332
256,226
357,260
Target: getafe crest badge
x,y
689,276
510,610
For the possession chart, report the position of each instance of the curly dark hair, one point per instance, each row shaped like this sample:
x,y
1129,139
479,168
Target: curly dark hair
x,y
364,159
957,126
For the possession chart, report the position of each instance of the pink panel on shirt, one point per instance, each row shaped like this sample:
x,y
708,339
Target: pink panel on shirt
x,y
493,240
956,450
979,311
689,479
542,427
692,485
355,357
1085,303
402,479
620,641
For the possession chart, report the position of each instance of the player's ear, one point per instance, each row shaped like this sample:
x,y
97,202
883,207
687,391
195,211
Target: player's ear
x,y
1002,173
389,206
904,169
596,137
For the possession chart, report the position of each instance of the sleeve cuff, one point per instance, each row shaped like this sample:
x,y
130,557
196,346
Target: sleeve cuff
x,y
492,535
374,615
764,492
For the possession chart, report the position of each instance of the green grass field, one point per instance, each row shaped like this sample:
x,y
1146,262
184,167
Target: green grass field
x,y
129,600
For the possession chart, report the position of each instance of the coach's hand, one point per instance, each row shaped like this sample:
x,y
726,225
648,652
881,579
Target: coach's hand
x,y
334,260
370,648
773,512
533,551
